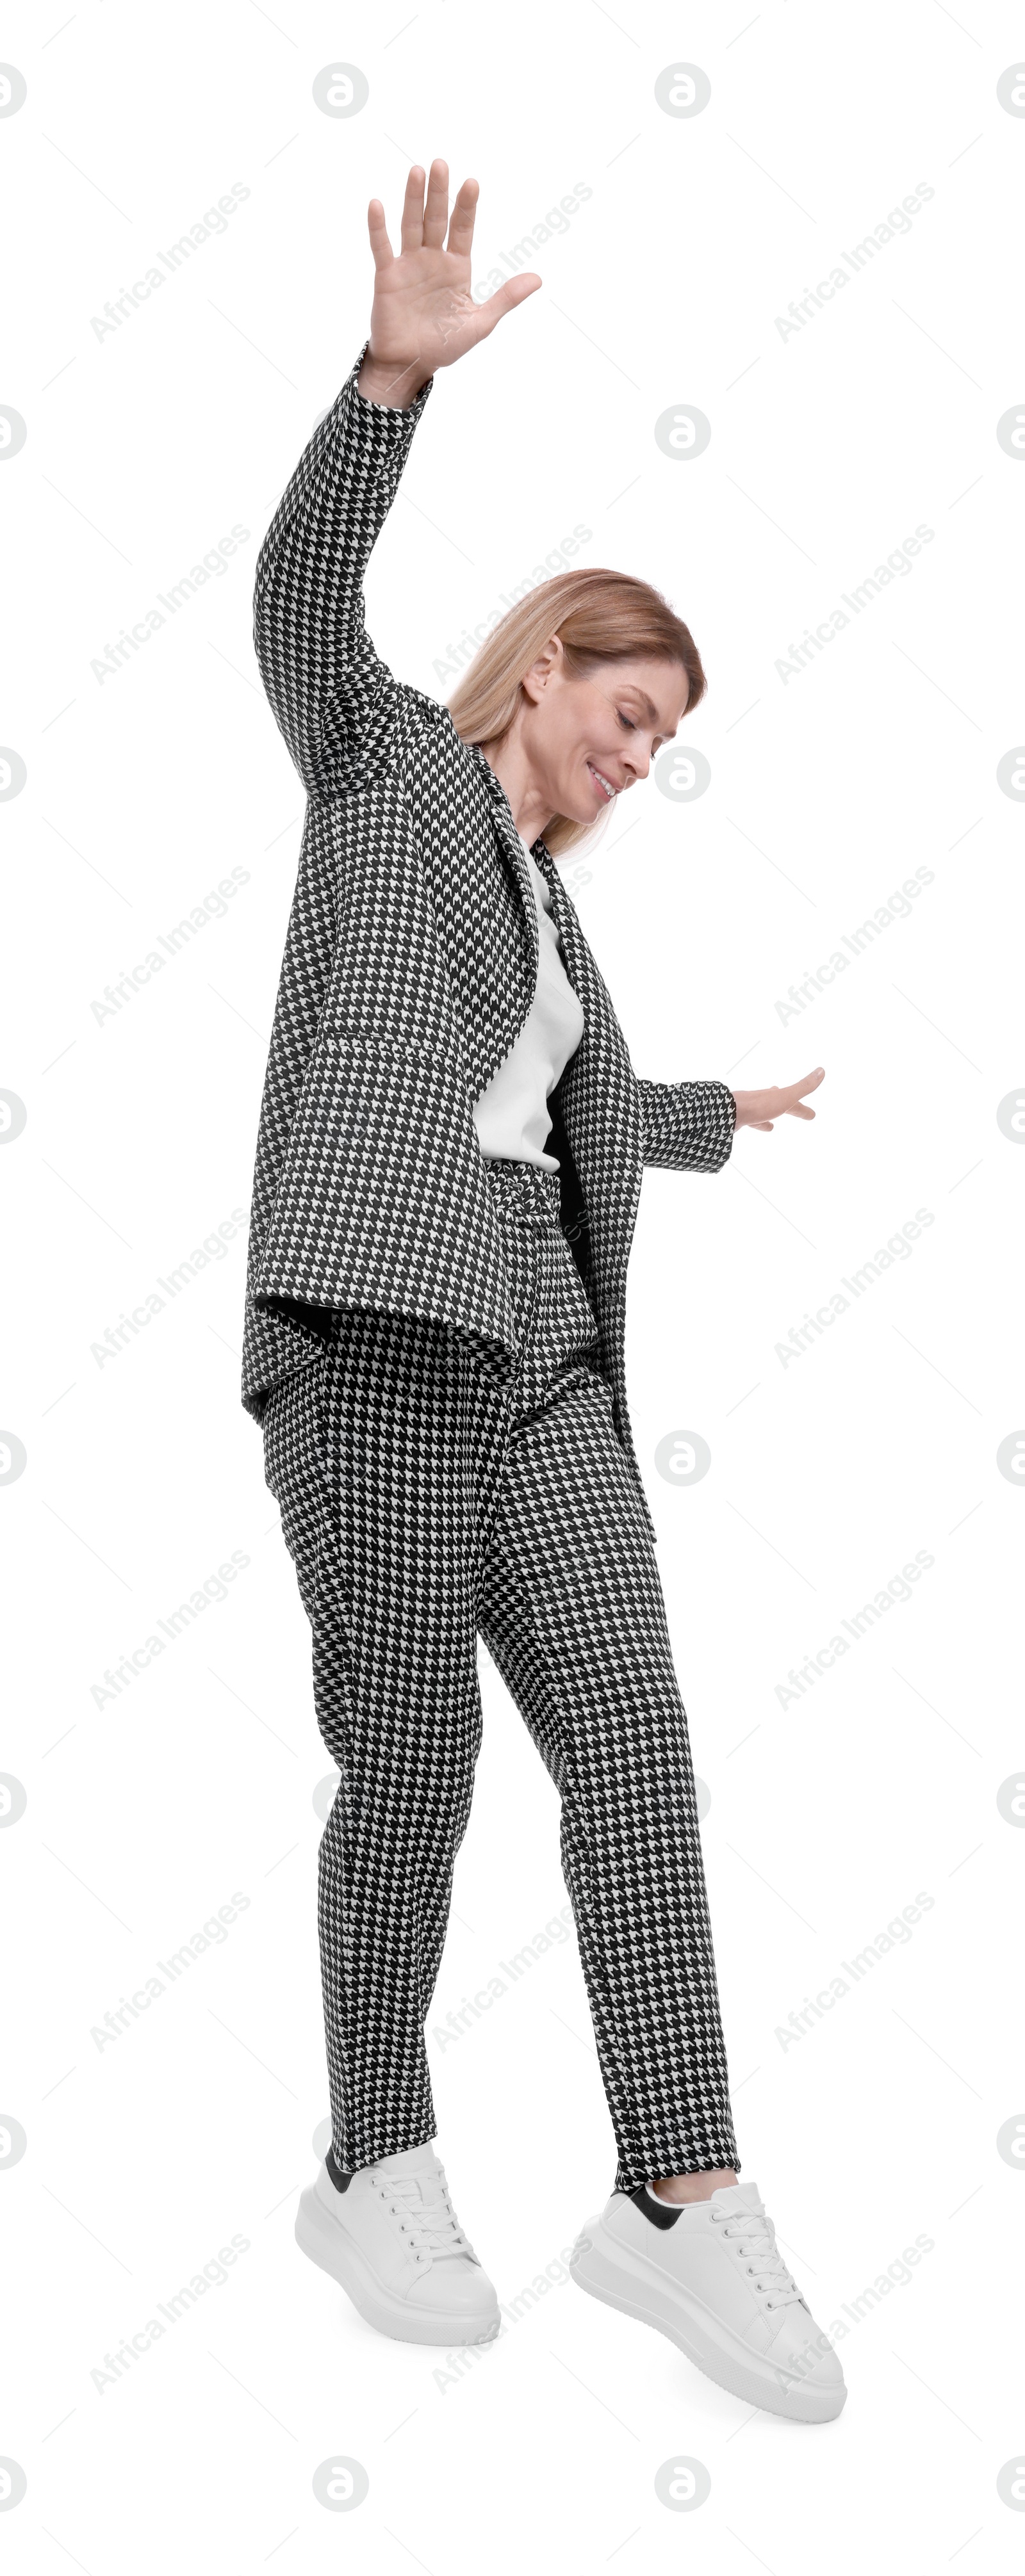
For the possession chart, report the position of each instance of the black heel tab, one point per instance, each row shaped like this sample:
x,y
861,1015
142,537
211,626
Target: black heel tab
x,y
662,2213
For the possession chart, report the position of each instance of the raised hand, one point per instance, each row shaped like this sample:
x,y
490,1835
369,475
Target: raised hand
x,y
761,1108
423,315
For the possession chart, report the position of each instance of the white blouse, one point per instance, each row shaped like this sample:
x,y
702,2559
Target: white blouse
x,y
511,1116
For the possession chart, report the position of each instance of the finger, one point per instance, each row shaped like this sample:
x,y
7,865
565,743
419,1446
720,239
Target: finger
x,y
795,1110
378,230
811,1080
436,208
515,291
413,210
763,1125
460,231
789,1092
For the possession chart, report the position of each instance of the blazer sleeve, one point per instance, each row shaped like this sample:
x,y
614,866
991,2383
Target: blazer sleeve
x,y
688,1126
335,703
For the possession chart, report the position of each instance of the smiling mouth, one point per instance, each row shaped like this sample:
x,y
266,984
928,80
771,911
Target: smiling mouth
x,y
605,784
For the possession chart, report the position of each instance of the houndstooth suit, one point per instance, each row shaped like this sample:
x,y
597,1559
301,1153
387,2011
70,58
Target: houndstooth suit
x,y
409,968
434,1347
433,1490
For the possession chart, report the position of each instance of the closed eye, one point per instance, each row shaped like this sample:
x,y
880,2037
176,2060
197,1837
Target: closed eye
x,y
627,721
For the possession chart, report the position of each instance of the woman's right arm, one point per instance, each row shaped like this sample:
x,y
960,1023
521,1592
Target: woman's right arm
x,y
329,692
331,696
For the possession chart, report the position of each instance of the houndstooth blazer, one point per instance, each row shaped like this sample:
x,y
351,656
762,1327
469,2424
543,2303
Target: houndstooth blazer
x,y
409,968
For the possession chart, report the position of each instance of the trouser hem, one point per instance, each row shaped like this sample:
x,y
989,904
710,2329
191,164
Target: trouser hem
x,y
629,2176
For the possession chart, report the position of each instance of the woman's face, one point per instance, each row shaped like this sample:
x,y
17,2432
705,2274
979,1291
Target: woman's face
x,y
588,739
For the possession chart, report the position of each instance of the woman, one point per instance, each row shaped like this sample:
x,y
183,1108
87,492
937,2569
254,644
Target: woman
x,y
448,1167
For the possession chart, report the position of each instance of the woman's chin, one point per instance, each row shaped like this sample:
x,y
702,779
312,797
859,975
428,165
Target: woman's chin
x,y
588,809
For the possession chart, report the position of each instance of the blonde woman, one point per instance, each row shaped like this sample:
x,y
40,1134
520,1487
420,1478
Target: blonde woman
x,y
448,1168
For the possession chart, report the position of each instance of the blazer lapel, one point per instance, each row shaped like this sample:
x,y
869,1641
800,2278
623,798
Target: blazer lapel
x,y
598,1095
598,1091
511,848
576,953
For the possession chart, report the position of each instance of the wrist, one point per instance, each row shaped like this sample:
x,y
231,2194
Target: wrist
x,y
393,387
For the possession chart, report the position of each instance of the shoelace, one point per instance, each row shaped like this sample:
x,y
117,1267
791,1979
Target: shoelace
x,y
433,2230
756,2236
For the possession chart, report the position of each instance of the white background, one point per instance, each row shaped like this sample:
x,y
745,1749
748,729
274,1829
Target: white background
x,y
148,1809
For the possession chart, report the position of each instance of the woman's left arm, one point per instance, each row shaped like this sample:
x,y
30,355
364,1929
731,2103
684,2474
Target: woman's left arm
x,y
690,1126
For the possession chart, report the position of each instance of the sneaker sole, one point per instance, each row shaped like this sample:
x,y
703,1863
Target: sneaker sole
x,y
319,2235
608,2272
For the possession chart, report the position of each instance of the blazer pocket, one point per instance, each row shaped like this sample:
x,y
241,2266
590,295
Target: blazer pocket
x,y
382,1198
384,1048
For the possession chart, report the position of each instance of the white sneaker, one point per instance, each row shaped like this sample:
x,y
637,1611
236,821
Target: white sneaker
x,y
390,2235
708,2273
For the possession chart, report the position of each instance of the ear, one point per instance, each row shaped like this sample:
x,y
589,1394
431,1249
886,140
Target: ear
x,y
543,669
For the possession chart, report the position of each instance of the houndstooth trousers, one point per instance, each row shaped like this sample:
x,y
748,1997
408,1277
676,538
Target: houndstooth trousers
x,y
433,1489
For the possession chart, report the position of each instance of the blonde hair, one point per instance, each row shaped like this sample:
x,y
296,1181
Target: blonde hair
x,y
600,617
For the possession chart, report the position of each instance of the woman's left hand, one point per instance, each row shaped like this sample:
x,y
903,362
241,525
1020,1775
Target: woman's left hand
x,y
761,1108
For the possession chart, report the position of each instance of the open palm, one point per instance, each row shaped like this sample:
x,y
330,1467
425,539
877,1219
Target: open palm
x,y
423,314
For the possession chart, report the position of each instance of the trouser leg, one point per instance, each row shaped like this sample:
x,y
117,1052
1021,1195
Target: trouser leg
x,y
382,1456
573,1615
